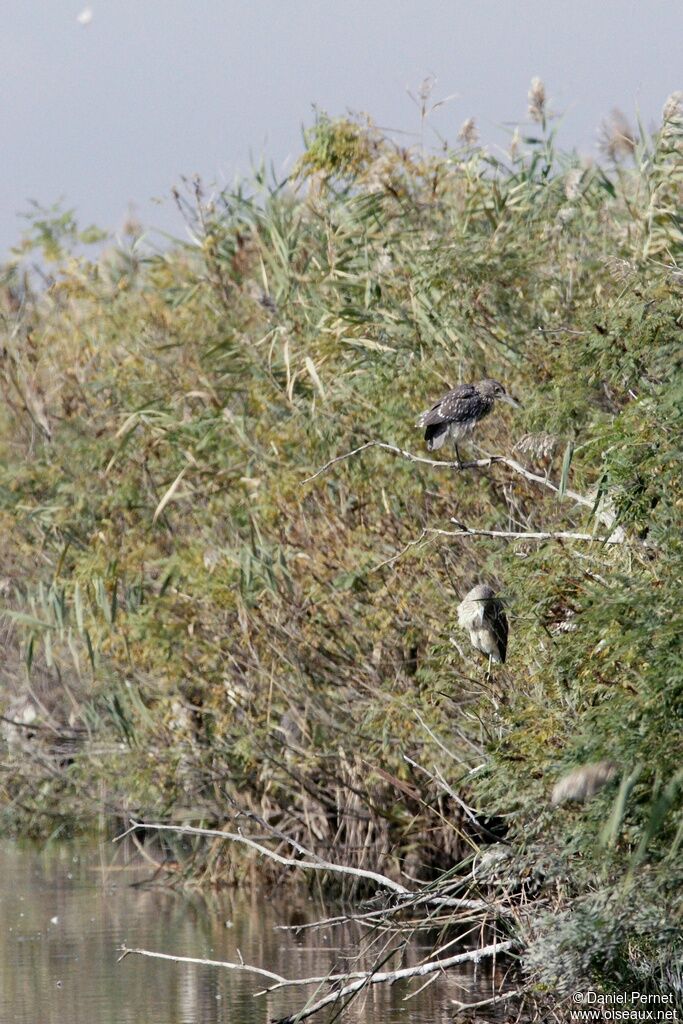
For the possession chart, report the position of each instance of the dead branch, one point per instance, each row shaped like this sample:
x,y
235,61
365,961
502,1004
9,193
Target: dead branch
x,y
356,980
125,951
514,993
466,531
384,977
485,463
405,896
318,864
328,922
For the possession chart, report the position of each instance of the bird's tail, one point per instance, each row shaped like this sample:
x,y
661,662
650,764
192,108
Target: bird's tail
x,y
435,435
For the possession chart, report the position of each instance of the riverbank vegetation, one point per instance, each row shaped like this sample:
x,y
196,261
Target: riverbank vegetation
x,y
197,632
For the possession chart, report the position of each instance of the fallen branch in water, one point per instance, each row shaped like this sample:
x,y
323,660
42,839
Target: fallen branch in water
x,y
396,897
356,980
384,977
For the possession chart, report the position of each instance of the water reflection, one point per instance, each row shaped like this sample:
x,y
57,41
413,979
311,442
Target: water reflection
x,y
64,912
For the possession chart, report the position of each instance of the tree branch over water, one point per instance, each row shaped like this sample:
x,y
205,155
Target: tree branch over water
x,y
423,896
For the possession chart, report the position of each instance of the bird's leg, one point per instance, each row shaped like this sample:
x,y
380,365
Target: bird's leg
x,y
488,674
457,455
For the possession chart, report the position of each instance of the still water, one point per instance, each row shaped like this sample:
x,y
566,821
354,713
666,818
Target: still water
x,y
65,910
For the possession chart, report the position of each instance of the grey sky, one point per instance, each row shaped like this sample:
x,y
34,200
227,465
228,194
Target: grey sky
x,y
113,113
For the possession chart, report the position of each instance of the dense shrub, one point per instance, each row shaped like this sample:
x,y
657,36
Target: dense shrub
x,y
192,627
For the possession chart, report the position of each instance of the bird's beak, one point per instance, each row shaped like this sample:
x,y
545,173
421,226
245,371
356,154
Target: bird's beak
x,y
510,401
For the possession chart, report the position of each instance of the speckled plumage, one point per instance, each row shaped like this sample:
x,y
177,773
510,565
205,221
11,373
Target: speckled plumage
x,y
458,412
481,614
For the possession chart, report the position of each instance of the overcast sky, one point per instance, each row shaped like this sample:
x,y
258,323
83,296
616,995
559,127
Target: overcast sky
x,y
111,113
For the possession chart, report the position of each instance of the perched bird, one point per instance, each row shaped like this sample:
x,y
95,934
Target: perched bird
x,y
457,413
583,783
481,615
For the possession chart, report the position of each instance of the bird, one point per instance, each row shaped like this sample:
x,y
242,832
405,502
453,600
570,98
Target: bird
x,y
458,412
481,614
583,783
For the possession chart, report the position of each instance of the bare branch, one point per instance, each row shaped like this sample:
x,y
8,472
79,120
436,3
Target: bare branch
x,y
327,922
400,891
515,993
125,951
236,837
384,977
465,531
478,464
440,781
485,463
356,980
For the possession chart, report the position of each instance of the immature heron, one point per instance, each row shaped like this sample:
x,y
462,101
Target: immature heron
x,y
457,413
481,615
583,783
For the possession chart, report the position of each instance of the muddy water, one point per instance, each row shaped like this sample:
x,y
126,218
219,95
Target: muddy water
x,y
64,912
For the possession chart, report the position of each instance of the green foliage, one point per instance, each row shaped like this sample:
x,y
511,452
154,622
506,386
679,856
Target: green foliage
x,y
207,629
338,147
55,232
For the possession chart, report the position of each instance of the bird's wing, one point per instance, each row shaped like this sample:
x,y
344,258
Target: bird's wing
x,y
459,404
498,623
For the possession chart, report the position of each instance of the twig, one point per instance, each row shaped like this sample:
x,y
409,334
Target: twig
x,y
125,951
441,744
558,330
487,1002
447,789
429,981
328,922
399,554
